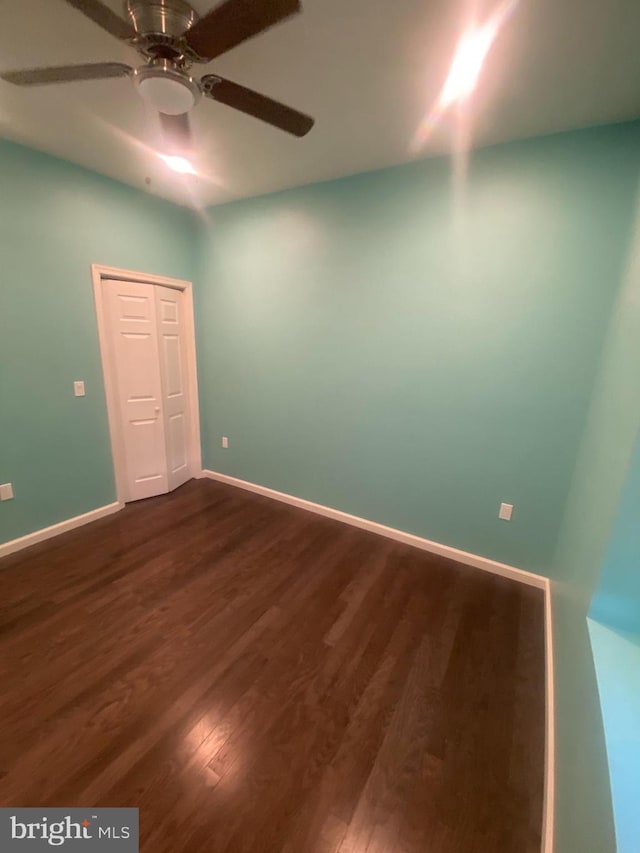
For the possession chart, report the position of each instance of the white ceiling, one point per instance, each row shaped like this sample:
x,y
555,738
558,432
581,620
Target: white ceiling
x,y
367,70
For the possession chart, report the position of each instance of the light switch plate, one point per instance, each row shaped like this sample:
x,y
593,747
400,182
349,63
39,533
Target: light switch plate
x,y
6,492
225,441
78,388
506,511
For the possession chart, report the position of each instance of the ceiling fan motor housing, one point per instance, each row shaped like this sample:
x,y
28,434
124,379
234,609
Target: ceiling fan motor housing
x,y
160,17
160,28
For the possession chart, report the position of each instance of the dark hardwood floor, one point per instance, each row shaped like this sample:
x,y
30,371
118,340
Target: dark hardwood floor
x,y
257,678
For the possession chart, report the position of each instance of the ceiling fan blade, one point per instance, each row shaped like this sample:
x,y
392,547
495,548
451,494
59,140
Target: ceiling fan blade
x,y
176,132
66,73
234,21
104,17
256,105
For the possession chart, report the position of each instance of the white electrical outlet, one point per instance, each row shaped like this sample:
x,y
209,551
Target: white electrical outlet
x,y
6,492
78,388
225,441
506,511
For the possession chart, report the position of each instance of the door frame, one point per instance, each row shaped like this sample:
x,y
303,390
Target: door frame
x,y
98,274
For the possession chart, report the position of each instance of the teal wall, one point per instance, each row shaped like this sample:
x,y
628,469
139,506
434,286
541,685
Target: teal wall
x,y
617,599
584,815
380,345
614,629
55,220
617,659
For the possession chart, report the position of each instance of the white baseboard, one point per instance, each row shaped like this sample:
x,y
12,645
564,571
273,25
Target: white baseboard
x,y
550,725
14,545
465,557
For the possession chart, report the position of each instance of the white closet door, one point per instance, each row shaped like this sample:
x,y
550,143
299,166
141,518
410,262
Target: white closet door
x,y
173,364
133,341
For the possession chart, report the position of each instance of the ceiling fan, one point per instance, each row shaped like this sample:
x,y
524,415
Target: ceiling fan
x,y
171,36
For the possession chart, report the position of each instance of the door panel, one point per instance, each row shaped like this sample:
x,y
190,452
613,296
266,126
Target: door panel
x,y
133,342
177,440
147,449
175,403
173,365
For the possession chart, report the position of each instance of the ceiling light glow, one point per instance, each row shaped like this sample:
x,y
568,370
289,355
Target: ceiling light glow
x,y
471,52
178,164
467,63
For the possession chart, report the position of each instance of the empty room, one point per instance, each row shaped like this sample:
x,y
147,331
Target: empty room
x,y
320,426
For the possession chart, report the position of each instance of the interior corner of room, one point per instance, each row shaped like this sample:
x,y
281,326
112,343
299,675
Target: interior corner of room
x,y
441,353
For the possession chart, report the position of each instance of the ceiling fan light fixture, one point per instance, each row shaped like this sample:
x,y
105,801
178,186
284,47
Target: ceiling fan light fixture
x,y
165,89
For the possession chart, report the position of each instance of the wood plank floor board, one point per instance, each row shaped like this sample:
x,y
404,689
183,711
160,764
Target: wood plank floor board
x,y
259,679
